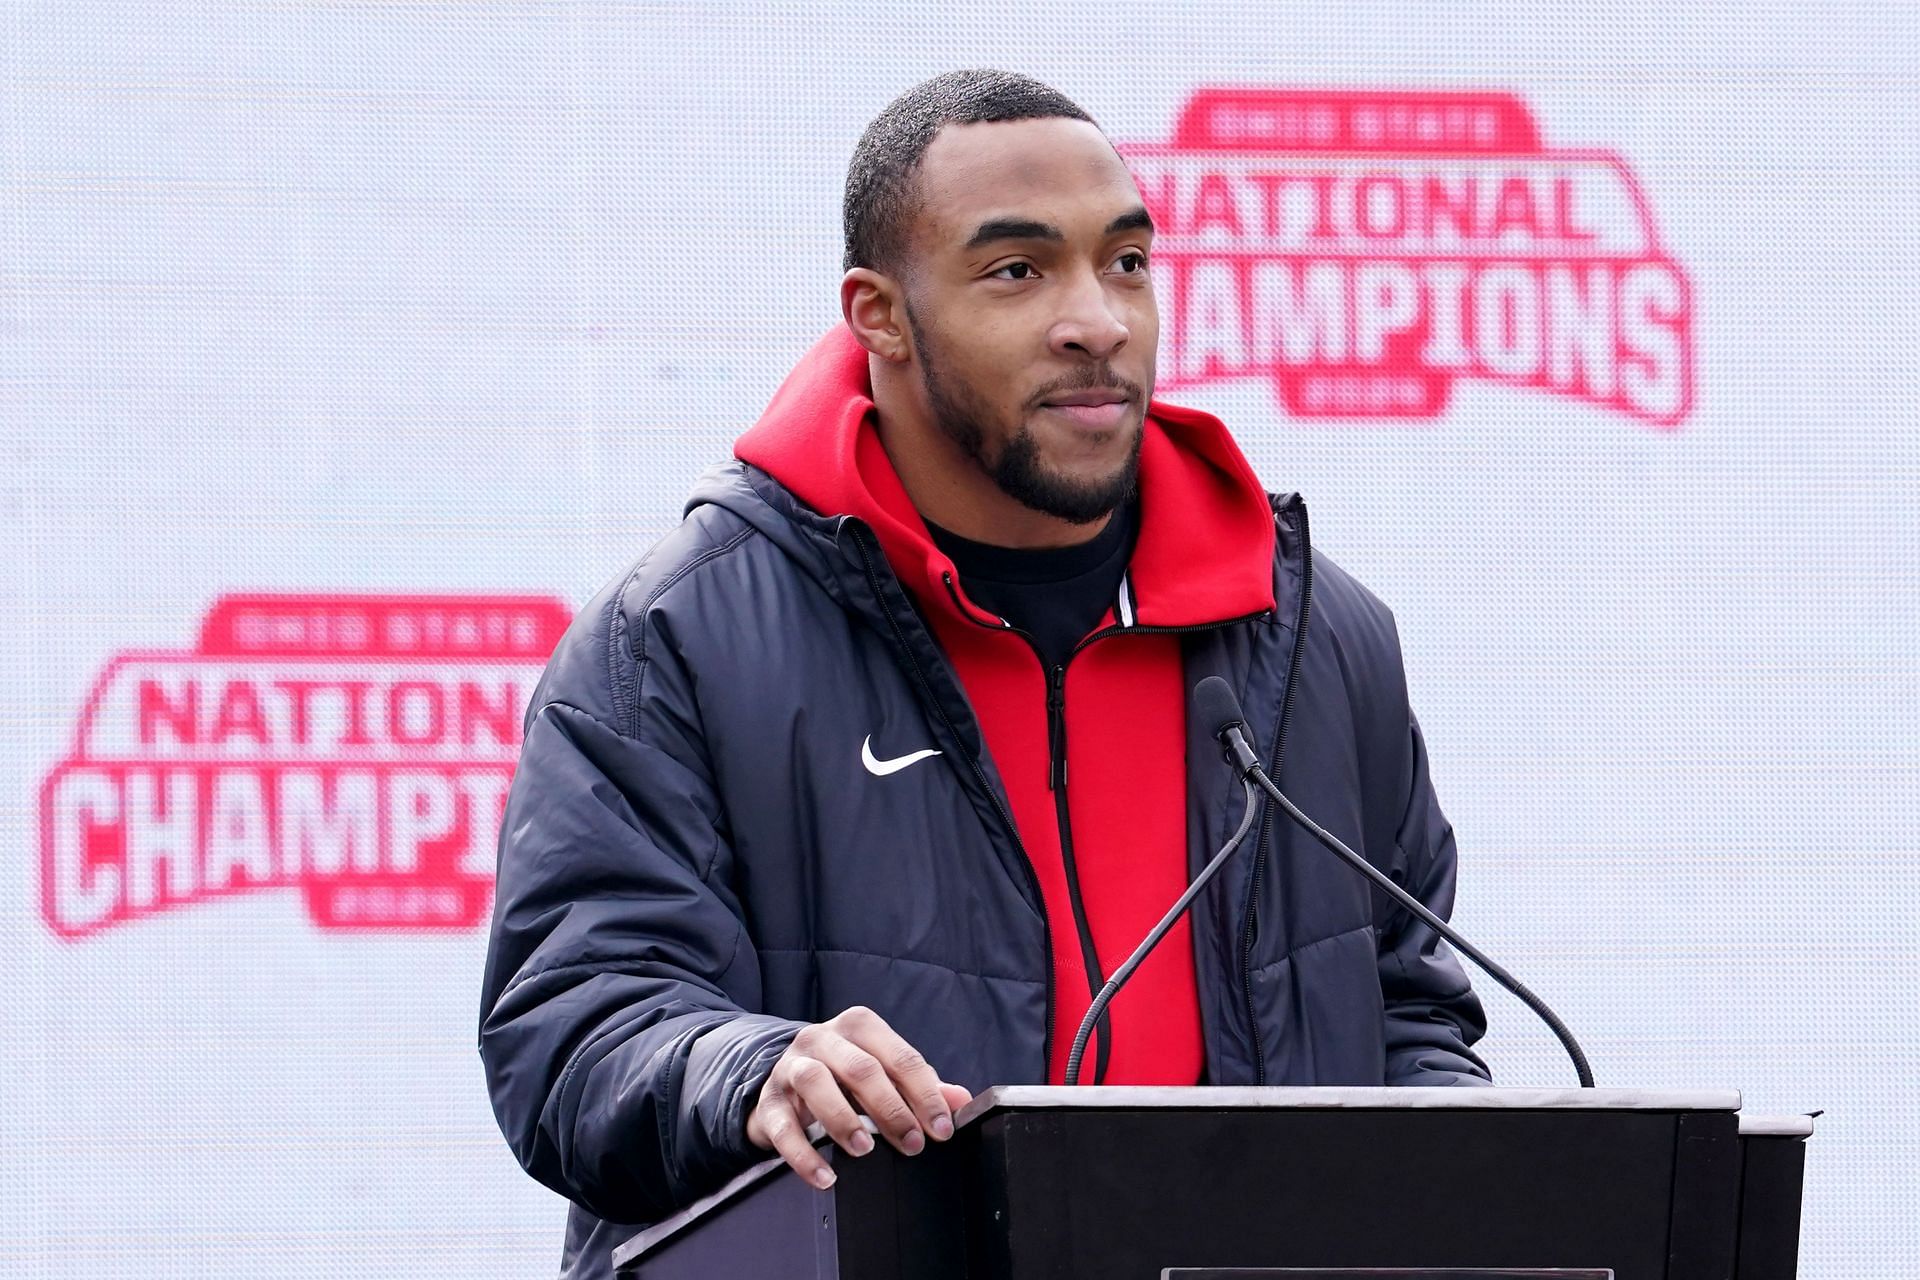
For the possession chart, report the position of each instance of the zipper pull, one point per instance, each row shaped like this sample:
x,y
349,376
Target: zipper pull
x,y
1056,728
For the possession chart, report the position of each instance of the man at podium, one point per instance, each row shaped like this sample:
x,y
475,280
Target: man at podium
x,y
849,795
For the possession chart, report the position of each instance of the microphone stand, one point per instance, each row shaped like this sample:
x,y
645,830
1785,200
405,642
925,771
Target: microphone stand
x,y
1419,909
1125,971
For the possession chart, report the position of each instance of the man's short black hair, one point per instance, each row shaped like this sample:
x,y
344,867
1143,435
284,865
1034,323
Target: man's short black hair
x,y
879,204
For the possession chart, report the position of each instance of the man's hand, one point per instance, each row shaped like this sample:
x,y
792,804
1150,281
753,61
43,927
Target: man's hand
x,y
836,1070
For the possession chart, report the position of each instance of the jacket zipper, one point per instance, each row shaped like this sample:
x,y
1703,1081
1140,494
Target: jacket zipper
x,y
1056,677
1266,821
986,785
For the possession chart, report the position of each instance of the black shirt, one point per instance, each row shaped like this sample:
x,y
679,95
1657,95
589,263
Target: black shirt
x,y
1054,594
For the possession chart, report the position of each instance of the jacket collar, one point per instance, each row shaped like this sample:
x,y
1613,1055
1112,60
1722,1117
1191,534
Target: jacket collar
x,y
1205,549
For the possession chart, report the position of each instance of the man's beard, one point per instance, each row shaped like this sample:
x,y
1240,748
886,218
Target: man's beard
x,y
959,412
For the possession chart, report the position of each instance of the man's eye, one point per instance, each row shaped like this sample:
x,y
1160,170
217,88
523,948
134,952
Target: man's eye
x,y
1020,270
1132,262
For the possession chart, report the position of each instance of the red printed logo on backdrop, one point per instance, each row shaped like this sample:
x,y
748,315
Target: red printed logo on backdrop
x,y
1367,250
354,748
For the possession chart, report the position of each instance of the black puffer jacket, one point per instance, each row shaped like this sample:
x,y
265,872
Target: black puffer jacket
x,y
694,863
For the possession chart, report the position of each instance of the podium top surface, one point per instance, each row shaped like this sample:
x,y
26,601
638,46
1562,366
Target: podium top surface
x,y
1001,1098
1030,1097
1794,1126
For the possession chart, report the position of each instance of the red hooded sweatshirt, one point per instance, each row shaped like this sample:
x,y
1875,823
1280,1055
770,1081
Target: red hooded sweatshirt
x,y
1204,555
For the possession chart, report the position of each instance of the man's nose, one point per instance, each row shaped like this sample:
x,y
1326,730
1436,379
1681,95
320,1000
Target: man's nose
x,y
1090,326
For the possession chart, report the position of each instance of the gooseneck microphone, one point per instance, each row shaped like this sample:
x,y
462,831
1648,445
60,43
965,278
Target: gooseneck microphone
x,y
1152,940
1213,699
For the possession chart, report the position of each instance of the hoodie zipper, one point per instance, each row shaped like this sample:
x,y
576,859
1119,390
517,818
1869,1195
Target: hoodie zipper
x,y
1056,679
1273,771
986,785
1062,815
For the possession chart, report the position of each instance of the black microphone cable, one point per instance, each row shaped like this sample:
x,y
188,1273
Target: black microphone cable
x,y
1214,702
1433,922
1140,953
1214,699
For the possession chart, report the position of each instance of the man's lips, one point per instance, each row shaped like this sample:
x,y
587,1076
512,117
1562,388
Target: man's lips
x,y
1098,409
1092,396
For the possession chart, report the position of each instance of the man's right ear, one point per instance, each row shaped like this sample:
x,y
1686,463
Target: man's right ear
x,y
876,312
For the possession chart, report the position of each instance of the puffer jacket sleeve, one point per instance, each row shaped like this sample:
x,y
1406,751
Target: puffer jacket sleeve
x,y
1433,1016
618,1030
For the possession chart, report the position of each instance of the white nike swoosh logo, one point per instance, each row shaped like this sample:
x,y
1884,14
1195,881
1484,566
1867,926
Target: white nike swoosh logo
x,y
881,768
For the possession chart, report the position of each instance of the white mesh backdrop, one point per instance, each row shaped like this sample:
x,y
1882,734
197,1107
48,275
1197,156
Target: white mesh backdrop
x,y
418,300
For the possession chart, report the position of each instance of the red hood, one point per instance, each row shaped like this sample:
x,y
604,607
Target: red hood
x,y
1205,548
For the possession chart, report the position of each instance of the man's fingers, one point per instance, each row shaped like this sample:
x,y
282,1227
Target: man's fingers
x,y
913,1079
781,1126
816,1085
865,1077
857,1060
956,1095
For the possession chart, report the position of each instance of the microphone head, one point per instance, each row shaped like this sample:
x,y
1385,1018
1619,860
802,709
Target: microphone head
x,y
1215,708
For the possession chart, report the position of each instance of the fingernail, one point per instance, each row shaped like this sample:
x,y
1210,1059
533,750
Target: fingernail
x,y
823,1178
943,1127
913,1142
860,1143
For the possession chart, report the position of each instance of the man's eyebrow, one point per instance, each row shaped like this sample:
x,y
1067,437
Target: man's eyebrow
x,y
1013,229
1134,219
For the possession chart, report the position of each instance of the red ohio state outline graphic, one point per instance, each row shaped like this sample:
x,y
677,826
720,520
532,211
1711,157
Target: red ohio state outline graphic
x,y
357,748
1365,250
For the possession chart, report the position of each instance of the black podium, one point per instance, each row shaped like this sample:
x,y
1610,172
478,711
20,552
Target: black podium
x,y
1210,1183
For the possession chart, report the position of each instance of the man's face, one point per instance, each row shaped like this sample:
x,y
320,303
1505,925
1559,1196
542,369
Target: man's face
x,y
1032,313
